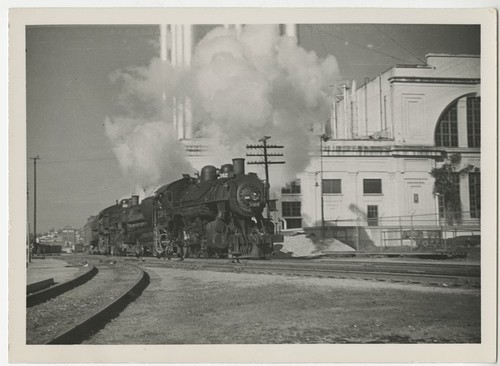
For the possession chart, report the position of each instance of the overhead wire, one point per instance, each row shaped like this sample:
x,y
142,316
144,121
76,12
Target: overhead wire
x,y
75,160
400,45
359,45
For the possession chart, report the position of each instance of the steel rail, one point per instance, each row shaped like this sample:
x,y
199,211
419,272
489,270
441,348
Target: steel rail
x,y
100,318
51,292
378,273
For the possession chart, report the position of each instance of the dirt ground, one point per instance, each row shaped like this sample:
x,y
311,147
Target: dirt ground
x,y
203,307
58,268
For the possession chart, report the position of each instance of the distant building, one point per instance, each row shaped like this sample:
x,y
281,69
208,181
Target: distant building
x,y
68,235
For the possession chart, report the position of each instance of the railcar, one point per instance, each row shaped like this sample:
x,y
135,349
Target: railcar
x,y
91,233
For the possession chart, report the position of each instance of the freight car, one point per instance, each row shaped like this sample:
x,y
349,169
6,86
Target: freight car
x,y
216,214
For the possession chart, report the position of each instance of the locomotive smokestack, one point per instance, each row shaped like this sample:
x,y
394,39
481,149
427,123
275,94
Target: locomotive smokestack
x,y
239,166
134,201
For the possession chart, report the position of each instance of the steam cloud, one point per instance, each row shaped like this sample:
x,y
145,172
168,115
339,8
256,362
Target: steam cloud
x,y
242,88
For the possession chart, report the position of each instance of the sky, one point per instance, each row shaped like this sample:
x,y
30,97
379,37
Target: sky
x,y
71,95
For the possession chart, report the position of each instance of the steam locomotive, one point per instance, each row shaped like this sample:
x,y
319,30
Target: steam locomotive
x,y
217,214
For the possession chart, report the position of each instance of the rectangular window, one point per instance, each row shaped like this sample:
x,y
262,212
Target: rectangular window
x,y
291,209
474,122
372,215
475,195
293,223
291,212
292,187
372,186
332,186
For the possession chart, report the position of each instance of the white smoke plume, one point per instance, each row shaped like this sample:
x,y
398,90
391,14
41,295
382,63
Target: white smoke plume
x,y
261,84
141,131
242,86
148,152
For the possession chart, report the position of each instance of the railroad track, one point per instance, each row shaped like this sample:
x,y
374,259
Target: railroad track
x,y
75,315
422,273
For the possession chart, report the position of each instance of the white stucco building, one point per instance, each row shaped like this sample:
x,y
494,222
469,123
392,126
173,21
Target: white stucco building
x,y
386,137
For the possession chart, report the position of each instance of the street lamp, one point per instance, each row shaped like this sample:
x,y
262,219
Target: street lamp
x,y
322,138
35,245
442,222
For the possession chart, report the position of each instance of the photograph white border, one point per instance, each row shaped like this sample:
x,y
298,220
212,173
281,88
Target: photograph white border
x,y
20,352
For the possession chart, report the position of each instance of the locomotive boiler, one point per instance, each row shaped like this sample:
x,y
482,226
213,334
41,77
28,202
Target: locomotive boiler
x,y
217,214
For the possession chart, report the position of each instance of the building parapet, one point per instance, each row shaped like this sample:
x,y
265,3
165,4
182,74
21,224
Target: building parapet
x,y
434,80
389,151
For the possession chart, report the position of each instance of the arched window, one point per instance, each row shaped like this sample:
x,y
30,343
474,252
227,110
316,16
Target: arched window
x,y
474,122
447,128
469,122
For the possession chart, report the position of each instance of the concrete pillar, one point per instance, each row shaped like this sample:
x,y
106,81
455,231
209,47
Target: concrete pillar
x,y
179,44
188,52
292,30
163,42
464,195
462,122
187,43
173,29
163,58
173,61
239,29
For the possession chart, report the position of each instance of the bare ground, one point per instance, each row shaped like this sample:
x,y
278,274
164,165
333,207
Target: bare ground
x,y
203,307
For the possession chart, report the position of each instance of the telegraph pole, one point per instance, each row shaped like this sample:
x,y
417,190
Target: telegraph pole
x,y
34,200
322,138
266,163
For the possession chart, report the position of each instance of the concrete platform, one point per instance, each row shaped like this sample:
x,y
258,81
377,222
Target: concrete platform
x,y
57,268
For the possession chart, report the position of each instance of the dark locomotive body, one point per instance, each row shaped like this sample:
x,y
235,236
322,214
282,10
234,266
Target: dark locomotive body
x,y
217,214
123,230
91,233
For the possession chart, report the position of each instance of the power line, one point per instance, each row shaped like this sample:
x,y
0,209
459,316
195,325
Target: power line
x,y
400,45
78,160
360,45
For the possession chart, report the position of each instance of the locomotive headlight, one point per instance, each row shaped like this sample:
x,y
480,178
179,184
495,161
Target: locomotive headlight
x,y
255,196
249,197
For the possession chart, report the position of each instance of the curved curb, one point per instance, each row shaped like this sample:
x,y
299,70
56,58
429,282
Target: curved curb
x,y
97,321
38,286
51,292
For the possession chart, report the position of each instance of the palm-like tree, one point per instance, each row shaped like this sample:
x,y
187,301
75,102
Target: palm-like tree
x,y
446,187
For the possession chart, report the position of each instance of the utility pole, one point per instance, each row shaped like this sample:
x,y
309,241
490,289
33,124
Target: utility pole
x,y
34,201
266,163
322,138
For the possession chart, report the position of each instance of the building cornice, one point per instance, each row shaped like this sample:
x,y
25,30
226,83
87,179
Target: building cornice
x,y
385,151
435,80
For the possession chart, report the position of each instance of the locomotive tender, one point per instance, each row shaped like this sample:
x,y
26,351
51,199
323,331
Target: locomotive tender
x,y
216,214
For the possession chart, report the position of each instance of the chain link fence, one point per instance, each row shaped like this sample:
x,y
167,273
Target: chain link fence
x,y
427,232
